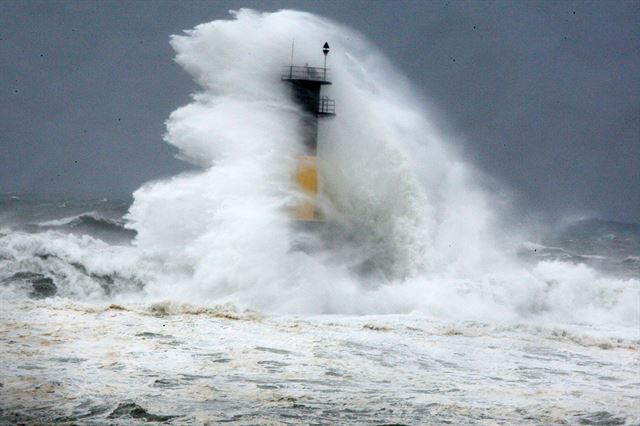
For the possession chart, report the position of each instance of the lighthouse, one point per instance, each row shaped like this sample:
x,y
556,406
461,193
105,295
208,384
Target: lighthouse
x,y
306,83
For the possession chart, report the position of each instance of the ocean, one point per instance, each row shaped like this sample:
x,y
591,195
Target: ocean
x,y
417,301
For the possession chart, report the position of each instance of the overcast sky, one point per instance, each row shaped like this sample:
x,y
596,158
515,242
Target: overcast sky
x,y
544,96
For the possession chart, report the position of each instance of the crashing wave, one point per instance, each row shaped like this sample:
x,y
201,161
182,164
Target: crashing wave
x,y
411,227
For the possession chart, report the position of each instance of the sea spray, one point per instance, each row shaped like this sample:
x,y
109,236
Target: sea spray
x,y
408,229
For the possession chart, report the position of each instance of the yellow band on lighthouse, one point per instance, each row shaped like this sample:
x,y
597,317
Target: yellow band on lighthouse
x,y
307,180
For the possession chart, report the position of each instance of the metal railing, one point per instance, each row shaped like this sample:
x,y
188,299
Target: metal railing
x,y
326,106
291,72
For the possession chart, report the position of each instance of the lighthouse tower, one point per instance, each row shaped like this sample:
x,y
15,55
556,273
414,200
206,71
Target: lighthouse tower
x,y
306,83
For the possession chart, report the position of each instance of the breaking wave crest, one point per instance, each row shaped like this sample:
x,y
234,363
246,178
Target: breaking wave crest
x,y
408,227
59,264
91,223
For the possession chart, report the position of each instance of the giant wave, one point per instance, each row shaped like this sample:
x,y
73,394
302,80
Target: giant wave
x,y
413,231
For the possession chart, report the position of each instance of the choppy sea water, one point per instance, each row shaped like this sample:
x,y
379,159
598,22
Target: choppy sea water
x,y
105,360
201,301
178,364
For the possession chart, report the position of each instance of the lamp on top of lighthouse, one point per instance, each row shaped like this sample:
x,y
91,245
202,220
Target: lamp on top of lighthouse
x,y
325,50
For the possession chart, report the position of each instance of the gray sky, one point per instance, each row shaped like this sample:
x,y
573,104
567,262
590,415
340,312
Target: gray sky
x,y
544,96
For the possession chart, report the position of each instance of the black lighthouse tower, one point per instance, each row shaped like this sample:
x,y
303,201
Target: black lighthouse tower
x,y
306,83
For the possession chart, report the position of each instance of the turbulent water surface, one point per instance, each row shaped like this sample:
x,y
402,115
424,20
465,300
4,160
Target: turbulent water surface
x,y
201,301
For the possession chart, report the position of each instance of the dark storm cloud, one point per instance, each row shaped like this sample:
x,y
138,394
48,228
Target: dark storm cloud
x,y
545,95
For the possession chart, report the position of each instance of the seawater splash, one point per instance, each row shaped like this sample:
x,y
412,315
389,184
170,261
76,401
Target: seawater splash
x,y
409,207
227,224
411,231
